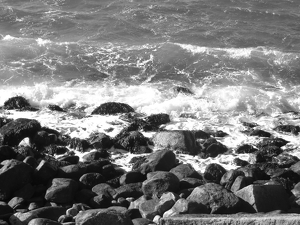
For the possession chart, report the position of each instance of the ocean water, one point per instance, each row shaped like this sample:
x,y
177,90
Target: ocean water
x,y
240,58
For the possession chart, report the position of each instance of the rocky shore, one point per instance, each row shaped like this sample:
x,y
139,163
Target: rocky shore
x,y
45,182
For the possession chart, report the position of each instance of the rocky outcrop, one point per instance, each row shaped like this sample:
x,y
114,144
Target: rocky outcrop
x,y
112,108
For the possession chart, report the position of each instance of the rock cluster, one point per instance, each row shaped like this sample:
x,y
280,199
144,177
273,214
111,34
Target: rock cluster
x,y
36,188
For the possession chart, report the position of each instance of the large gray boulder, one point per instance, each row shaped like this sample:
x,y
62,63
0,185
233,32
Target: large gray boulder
x,y
181,140
212,198
102,217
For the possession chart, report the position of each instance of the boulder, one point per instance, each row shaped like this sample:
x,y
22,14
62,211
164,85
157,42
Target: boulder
x,y
214,150
181,206
182,90
112,108
129,190
259,133
26,192
71,171
132,177
160,183
89,180
4,120
5,209
15,131
166,202
17,203
55,108
272,141
62,190
180,140
100,201
22,173
240,182
158,119
214,199
45,172
51,212
160,160
102,217
79,144
133,141
148,208
43,221
229,177
185,170
104,189
100,141
190,182
246,148
7,152
288,128
214,172
84,196
141,221
19,103
265,198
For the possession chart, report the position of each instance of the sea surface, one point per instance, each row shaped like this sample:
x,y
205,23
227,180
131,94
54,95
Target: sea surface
x,y
240,58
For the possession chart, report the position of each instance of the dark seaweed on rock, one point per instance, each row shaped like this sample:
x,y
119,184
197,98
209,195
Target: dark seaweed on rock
x,y
19,103
112,108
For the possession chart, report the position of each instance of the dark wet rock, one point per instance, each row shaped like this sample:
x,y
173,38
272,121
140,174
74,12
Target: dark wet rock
x,y
7,152
265,198
97,165
214,199
287,178
31,161
5,209
182,90
72,159
109,171
89,180
25,151
54,162
254,171
214,172
285,160
26,192
189,182
159,183
19,103
4,121
100,141
15,131
185,170
136,162
188,115
160,160
22,173
44,172
279,142
240,162
41,139
288,129
78,144
134,142
132,177
50,212
199,134
229,177
241,182
268,152
56,150
148,209
129,190
218,133
112,108
269,168
55,108
181,206
246,148
95,155
102,217
134,213
214,150
250,125
260,133
62,190
180,140
157,119
71,171
84,196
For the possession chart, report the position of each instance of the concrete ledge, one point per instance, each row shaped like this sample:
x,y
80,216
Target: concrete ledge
x,y
234,219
